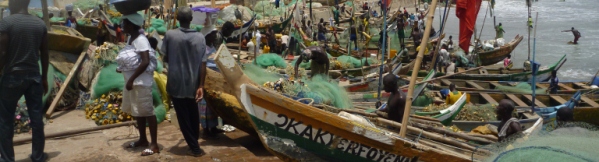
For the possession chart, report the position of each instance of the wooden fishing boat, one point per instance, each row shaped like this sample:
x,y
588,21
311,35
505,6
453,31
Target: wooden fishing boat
x,y
447,115
492,86
494,56
497,74
549,114
294,131
326,135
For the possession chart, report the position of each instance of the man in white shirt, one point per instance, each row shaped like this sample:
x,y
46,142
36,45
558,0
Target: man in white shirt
x,y
258,41
331,22
251,47
284,42
443,57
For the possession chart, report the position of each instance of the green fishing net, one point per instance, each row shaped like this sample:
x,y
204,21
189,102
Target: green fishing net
x,y
266,9
349,61
57,19
86,4
572,142
108,80
258,74
318,88
271,59
305,65
521,88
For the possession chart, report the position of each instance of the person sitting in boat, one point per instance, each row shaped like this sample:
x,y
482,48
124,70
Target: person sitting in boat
x,y
507,62
71,21
453,96
319,61
565,115
553,83
397,100
450,44
499,31
508,125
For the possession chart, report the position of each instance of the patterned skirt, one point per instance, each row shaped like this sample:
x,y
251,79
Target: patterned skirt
x,y
208,119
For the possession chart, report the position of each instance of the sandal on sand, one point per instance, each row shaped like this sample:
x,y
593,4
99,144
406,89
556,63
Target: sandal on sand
x,y
200,154
148,152
134,145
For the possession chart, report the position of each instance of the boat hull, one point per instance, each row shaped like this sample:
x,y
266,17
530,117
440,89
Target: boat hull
x,y
326,135
492,57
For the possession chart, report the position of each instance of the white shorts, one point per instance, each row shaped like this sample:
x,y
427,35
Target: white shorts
x,y
138,101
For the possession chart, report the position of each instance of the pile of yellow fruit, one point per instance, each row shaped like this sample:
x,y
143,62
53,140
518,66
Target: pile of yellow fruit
x,y
105,110
113,13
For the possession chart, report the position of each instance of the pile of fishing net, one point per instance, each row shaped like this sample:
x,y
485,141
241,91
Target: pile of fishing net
x,y
318,88
348,62
265,9
101,78
228,13
22,119
271,59
571,142
521,88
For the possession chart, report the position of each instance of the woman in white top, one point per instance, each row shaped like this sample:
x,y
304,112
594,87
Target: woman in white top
x,y
137,62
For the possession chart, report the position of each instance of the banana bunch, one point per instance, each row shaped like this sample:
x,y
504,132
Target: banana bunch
x,y
105,110
113,13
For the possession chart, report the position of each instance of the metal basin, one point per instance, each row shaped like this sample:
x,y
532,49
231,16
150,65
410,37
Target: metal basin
x,y
126,7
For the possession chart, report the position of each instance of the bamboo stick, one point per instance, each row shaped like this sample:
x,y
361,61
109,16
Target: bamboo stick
x,y
77,131
440,38
408,106
443,77
45,14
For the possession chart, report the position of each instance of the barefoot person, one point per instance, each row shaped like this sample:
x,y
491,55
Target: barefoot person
x,y
576,34
23,42
397,100
508,125
320,61
137,62
185,52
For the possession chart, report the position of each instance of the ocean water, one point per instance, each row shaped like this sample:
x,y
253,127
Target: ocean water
x,y
551,43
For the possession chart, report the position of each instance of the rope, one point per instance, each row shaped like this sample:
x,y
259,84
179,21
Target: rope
x,y
541,147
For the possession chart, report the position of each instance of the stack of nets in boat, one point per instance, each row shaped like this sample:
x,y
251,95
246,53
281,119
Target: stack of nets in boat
x,y
469,112
571,142
521,88
318,88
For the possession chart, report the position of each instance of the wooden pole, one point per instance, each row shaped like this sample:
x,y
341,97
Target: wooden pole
x,y
427,32
77,131
212,3
446,76
441,37
65,84
45,14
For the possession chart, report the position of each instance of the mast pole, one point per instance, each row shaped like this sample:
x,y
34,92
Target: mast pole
x,y
383,50
534,72
45,14
443,21
408,106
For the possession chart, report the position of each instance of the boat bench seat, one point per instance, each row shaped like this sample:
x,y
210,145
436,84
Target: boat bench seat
x,y
489,98
583,86
561,85
558,99
517,100
542,86
474,85
537,102
446,82
495,84
589,101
